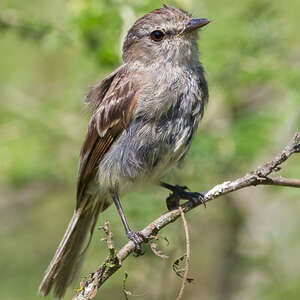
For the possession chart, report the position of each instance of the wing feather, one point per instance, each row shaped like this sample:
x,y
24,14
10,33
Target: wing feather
x,y
114,106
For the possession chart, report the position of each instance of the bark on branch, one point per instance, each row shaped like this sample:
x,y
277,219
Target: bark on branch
x,y
260,176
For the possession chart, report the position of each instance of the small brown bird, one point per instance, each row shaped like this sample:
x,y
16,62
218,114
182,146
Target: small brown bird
x,y
145,115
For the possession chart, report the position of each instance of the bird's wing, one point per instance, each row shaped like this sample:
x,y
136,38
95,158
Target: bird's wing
x,y
113,101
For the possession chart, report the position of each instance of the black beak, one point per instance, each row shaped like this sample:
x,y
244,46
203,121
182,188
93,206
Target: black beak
x,y
195,24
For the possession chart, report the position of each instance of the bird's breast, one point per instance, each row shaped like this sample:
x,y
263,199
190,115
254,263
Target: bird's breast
x,y
160,133
168,118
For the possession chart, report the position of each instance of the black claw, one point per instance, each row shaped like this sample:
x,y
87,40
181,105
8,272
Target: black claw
x,y
181,192
138,238
196,197
172,202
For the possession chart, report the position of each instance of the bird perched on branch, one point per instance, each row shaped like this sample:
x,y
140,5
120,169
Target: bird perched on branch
x,y
145,115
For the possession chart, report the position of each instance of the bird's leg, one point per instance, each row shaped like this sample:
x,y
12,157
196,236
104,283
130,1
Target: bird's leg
x,y
135,236
181,192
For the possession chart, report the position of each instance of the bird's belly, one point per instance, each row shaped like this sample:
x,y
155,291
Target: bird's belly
x,y
142,158
147,149
167,148
158,161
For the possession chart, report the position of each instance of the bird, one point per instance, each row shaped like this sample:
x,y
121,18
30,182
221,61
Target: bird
x,y
144,117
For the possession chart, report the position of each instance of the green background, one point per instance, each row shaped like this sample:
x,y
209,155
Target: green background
x,y
245,245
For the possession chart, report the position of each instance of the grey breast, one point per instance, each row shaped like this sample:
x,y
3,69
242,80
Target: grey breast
x,y
161,131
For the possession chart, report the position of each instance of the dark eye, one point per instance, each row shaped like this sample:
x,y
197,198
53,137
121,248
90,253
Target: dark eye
x,y
157,35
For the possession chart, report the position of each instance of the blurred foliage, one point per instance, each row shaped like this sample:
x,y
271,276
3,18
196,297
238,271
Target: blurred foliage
x,y
91,20
245,246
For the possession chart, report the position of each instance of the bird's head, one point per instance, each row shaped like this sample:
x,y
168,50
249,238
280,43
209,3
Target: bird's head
x,y
167,34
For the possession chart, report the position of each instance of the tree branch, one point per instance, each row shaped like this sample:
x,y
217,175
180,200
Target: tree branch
x,y
292,182
257,177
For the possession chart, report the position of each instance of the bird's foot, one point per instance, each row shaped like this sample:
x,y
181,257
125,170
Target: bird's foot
x,y
138,238
181,192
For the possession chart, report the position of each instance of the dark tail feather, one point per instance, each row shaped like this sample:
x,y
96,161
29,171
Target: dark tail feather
x,y
69,254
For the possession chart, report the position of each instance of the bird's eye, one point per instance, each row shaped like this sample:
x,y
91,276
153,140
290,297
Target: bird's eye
x,y
157,35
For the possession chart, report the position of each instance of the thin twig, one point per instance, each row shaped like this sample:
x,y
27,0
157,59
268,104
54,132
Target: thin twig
x,y
127,293
257,177
109,236
124,290
292,182
188,253
158,252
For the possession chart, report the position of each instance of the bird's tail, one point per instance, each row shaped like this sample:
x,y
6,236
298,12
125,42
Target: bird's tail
x,y
68,258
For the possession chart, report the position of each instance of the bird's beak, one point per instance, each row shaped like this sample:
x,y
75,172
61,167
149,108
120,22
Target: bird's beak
x,y
195,24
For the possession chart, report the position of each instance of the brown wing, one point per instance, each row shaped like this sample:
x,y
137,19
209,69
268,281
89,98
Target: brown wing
x,y
114,102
